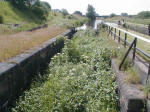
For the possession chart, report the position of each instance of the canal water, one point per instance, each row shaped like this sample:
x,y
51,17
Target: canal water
x,y
85,26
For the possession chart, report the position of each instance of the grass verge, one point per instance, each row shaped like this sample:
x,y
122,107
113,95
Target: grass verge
x,y
14,44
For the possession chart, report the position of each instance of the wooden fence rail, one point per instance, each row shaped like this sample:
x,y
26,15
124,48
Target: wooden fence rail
x,y
112,30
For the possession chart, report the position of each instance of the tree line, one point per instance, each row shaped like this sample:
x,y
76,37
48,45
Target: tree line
x,y
142,15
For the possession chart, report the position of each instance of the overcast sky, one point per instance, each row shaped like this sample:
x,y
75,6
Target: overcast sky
x,y
103,7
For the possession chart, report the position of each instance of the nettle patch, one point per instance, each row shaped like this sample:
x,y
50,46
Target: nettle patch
x,y
79,80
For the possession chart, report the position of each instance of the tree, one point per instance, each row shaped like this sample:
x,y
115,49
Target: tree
x,y
91,14
144,14
112,15
78,13
19,3
24,3
64,12
124,14
40,12
44,5
41,9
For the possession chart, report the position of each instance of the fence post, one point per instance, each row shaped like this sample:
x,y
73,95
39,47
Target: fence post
x,y
115,34
125,40
127,53
148,74
149,69
111,31
108,30
119,36
134,49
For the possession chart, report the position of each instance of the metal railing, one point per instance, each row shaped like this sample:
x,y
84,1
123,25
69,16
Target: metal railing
x,y
132,45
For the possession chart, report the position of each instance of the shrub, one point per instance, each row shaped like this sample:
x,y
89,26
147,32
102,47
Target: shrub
x,y
144,14
113,15
1,20
70,17
78,13
64,12
40,12
72,52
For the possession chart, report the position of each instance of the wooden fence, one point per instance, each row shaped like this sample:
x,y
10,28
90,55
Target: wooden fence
x,y
112,30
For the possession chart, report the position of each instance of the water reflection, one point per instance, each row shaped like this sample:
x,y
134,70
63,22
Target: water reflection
x,y
92,24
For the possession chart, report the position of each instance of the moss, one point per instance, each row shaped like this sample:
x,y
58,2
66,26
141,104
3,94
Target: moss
x,y
132,76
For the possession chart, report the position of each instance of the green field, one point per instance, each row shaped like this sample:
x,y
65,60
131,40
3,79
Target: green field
x,y
131,20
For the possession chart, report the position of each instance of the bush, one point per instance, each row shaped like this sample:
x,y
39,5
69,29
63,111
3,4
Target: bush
x,y
78,13
112,15
1,20
73,53
40,12
77,23
144,14
64,12
70,17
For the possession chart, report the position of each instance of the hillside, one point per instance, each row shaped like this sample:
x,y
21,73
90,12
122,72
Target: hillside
x,y
27,19
14,41
12,15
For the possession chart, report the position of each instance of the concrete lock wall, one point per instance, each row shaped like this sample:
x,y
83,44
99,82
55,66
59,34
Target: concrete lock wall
x,y
16,74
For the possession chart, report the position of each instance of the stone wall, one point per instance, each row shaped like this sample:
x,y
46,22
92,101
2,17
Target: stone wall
x,y
16,74
131,98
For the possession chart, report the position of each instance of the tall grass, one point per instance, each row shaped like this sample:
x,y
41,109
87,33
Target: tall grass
x,y
14,44
76,83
